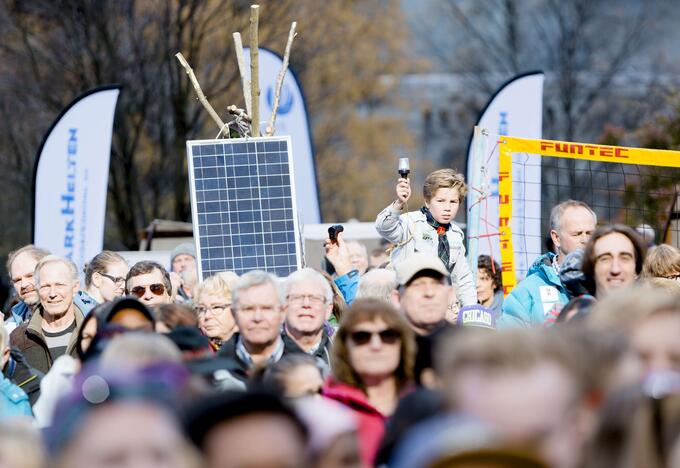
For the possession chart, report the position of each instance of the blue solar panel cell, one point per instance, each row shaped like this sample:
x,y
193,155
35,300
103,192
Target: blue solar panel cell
x,y
243,205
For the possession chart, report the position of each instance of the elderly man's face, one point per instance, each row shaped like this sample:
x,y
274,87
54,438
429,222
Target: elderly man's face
x,y
56,289
576,227
21,273
614,263
183,262
307,307
425,301
259,315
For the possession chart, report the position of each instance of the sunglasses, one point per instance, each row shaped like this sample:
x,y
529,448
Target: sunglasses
x,y
157,288
387,336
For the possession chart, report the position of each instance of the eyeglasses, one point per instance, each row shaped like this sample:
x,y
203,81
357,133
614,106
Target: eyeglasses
x,y
117,280
387,336
157,288
216,309
315,299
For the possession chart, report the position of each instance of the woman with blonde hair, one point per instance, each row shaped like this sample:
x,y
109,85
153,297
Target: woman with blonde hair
x,y
662,261
213,306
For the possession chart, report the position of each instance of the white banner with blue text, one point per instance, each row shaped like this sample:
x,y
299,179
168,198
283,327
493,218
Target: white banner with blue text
x,y
71,177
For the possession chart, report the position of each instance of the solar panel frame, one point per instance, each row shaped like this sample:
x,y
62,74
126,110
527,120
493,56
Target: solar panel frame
x,y
267,185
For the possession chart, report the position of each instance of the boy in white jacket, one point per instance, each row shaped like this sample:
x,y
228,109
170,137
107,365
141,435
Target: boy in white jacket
x,y
431,229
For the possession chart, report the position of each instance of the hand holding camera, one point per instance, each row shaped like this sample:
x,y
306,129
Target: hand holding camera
x,y
403,184
337,252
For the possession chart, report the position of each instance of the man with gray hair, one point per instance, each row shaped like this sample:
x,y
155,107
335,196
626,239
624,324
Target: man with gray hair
x,y
20,266
308,305
541,294
379,283
258,310
51,332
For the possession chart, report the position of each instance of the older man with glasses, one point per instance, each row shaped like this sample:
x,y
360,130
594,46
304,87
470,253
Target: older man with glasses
x,y
309,303
150,283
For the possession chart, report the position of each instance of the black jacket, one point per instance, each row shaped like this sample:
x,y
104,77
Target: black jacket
x,y
322,352
21,374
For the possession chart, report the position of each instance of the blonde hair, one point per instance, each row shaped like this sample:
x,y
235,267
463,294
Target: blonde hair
x,y
443,178
661,261
99,263
220,284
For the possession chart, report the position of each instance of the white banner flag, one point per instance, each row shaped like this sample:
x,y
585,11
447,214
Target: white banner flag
x,y
517,110
291,119
71,177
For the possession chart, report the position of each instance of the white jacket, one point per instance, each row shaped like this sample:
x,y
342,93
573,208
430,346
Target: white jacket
x,y
398,228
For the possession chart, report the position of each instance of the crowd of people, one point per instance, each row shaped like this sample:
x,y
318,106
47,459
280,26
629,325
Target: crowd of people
x,y
403,359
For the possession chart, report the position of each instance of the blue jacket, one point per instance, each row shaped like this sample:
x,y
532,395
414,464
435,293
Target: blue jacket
x,y
84,302
20,313
539,296
13,400
348,284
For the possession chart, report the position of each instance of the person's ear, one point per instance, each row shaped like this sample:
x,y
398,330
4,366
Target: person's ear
x,y
76,286
97,280
394,297
5,356
555,238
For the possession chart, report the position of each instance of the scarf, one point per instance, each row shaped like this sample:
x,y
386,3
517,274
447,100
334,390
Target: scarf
x,y
443,249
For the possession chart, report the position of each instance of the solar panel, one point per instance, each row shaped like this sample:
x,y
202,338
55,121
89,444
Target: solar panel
x,y
243,205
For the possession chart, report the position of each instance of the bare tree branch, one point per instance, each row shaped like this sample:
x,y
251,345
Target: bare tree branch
x,y
199,92
279,79
245,82
254,70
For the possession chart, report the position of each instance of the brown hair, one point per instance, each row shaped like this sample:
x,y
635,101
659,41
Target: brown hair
x,y
662,261
36,252
368,310
339,304
589,260
493,269
144,267
444,178
99,264
175,315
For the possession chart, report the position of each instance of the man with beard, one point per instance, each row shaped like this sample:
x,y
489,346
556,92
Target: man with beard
x,y
20,266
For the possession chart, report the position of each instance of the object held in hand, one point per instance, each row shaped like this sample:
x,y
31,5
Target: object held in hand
x,y
333,232
404,168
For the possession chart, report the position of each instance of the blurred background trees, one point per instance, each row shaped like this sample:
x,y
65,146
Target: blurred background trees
x,y
382,79
54,50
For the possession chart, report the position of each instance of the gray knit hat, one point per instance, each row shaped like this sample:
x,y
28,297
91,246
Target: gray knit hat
x,y
185,248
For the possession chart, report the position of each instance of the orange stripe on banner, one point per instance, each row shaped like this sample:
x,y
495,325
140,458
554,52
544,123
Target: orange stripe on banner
x,y
505,216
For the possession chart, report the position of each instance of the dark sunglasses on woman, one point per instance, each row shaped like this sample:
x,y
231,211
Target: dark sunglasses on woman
x,y
387,336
